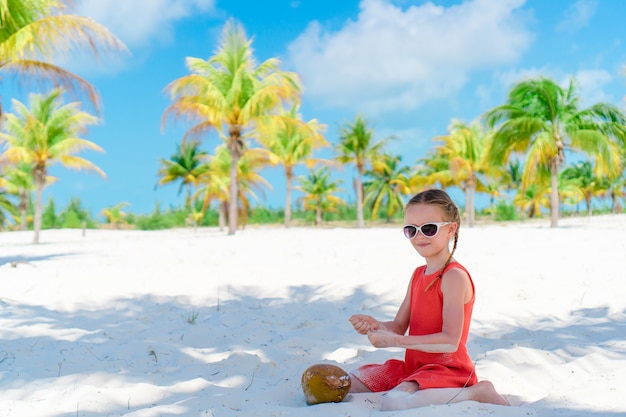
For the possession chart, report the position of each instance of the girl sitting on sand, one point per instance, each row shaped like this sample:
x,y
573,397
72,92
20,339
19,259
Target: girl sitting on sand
x,y
437,311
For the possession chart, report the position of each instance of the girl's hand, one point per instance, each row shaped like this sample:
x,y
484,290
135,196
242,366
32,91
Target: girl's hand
x,y
363,323
382,338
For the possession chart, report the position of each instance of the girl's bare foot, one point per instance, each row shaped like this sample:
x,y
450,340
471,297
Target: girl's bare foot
x,y
485,392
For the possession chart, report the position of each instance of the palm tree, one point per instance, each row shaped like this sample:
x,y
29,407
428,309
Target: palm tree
x,y
386,184
47,133
493,188
617,186
512,176
503,180
19,181
465,149
33,31
214,184
293,142
584,179
544,120
616,191
433,169
217,178
186,165
356,145
320,193
6,205
570,192
115,215
531,199
230,93
250,181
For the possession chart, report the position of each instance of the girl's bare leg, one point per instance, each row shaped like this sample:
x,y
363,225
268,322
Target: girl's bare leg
x,y
356,385
484,392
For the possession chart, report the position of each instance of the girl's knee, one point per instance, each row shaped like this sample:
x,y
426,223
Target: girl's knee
x,y
399,398
395,400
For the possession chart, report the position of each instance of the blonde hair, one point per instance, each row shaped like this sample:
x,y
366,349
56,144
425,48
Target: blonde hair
x,y
450,214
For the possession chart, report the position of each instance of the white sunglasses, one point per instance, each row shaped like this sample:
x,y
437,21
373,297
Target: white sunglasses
x,y
429,230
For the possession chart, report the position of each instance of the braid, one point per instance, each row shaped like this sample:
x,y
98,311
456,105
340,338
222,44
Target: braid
x,y
443,268
450,214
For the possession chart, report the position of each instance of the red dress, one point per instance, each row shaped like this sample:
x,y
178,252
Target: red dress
x,y
428,370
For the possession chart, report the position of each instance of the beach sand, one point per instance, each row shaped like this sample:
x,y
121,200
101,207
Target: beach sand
x,y
184,323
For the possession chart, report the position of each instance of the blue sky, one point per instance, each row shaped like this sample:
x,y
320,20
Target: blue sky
x,y
409,66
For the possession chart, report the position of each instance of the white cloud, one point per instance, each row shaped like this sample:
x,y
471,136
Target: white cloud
x,y
509,78
407,141
396,59
139,22
495,91
577,16
591,86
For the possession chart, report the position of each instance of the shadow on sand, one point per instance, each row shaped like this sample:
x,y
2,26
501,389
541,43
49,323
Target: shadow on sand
x,y
20,259
243,357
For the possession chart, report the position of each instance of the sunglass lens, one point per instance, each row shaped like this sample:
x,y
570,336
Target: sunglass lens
x,y
429,229
410,231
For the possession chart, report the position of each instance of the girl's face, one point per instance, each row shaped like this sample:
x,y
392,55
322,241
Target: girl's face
x,y
419,214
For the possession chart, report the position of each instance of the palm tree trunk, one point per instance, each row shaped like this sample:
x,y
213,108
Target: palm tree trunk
x,y
469,204
37,219
23,222
616,205
232,200
613,201
188,197
236,148
289,177
23,211
221,210
358,185
318,216
472,193
554,195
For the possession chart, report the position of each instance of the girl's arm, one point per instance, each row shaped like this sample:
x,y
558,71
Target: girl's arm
x,y
364,323
457,290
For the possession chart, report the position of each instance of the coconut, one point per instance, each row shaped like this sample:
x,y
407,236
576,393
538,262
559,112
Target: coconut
x,y
324,383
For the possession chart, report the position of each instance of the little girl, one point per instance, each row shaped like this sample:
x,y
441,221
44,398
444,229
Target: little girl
x,y
437,311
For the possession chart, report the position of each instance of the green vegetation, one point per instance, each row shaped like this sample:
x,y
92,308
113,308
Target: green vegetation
x,y
463,152
230,90
543,120
185,165
386,185
292,142
505,211
344,215
320,193
32,32
47,133
514,154
73,216
357,146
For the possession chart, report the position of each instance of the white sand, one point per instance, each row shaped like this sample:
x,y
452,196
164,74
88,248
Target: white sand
x,y
177,323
